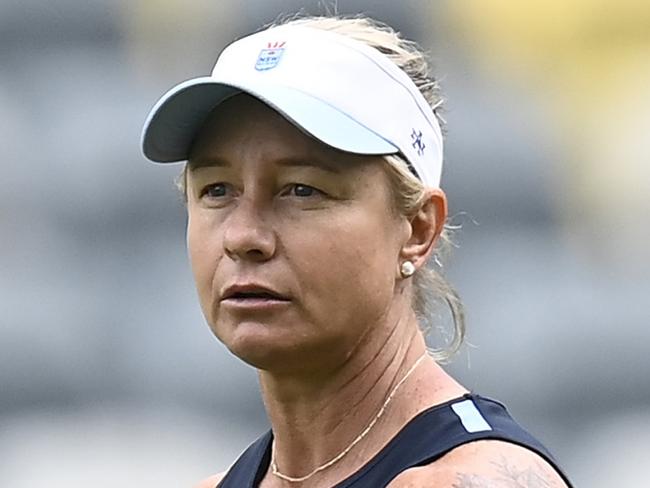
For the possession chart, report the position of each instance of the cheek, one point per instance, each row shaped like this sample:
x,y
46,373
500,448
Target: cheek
x,y
203,255
346,273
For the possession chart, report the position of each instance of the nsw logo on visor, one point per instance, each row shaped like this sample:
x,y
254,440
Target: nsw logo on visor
x,y
270,56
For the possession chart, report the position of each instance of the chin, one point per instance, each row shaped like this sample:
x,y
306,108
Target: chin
x,y
259,344
274,348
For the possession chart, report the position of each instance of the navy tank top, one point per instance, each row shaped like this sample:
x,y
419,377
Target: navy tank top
x,y
425,438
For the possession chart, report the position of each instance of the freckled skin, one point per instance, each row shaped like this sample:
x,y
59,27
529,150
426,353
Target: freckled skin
x,y
335,252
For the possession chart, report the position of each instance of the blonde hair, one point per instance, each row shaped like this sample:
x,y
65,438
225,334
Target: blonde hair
x,y
431,289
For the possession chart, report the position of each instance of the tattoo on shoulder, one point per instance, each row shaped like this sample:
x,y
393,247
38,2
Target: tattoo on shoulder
x,y
507,476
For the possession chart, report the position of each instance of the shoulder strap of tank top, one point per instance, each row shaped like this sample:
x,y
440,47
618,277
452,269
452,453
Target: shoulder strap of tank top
x,y
248,470
438,430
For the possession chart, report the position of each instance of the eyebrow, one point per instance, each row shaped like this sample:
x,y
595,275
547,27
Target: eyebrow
x,y
313,162
327,165
206,163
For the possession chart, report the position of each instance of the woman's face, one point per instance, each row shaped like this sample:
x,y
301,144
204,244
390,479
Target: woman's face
x,y
294,246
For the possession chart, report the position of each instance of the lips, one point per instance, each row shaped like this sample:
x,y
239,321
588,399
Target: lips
x,y
252,292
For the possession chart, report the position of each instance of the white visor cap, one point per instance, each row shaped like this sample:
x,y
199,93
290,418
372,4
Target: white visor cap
x,y
338,90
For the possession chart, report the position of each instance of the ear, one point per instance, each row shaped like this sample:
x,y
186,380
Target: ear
x,y
426,226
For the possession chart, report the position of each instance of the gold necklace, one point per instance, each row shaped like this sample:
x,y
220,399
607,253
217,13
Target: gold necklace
x,y
339,456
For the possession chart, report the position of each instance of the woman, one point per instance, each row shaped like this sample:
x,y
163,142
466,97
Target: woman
x,y
314,158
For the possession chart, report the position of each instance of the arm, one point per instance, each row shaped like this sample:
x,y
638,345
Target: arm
x,y
483,464
211,482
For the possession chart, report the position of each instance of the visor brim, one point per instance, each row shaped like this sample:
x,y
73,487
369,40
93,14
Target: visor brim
x,y
173,123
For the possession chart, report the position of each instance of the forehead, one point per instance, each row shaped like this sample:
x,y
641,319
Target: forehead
x,y
244,127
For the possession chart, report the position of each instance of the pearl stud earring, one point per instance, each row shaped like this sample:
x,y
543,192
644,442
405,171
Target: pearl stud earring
x,y
407,269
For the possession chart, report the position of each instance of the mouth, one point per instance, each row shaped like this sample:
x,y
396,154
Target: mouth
x,y
252,294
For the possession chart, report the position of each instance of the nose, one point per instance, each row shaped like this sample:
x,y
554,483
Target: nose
x,y
248,235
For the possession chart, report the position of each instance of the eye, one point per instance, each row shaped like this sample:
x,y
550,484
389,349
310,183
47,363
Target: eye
x,y
303,191
216,190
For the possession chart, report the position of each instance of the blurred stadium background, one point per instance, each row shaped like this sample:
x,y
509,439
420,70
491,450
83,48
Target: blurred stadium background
x,y
108,375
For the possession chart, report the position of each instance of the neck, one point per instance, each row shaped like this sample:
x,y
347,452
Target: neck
x,y
316,418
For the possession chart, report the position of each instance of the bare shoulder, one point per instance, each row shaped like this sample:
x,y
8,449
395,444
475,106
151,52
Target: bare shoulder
x,y
211,482
483,464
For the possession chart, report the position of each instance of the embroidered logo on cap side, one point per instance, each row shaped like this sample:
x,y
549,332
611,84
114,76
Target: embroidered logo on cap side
x,y
417,143
269,57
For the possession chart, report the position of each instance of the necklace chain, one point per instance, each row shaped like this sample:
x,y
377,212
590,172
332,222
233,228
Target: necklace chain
x,y
339,456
